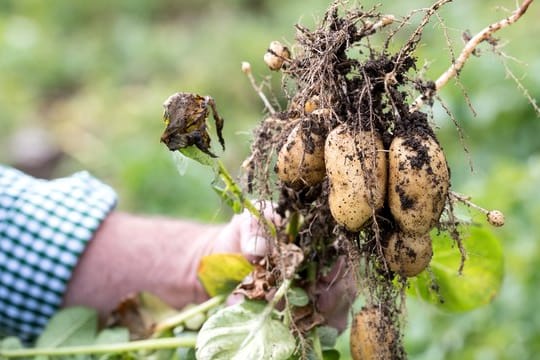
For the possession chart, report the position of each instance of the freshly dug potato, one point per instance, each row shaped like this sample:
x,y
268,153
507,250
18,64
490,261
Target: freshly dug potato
x,y
357,187
408,254
372,336
418,181
301,161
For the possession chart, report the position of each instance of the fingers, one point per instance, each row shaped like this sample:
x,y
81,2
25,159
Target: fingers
x,y
253,238
244,233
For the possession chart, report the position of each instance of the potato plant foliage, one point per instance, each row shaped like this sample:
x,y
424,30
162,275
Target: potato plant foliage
x,y
357,176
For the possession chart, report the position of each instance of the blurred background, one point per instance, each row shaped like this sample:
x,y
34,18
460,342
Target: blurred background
x,y
82,83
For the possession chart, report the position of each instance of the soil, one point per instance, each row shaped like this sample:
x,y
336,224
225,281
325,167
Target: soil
x,y
367,89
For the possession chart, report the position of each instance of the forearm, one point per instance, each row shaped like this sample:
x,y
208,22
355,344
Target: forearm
x,y
131,253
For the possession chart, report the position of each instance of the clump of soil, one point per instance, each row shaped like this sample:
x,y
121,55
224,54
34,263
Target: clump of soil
x,y
368,89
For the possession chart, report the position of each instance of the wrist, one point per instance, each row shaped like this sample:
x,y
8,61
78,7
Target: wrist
x,y
129,254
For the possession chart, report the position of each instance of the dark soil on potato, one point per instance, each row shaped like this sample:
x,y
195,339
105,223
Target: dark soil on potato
x,y
367,89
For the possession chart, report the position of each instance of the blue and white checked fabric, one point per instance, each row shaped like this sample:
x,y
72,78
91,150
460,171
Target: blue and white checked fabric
x,y
44,228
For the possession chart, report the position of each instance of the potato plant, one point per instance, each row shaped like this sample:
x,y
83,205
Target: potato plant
x,y
356,174
386,187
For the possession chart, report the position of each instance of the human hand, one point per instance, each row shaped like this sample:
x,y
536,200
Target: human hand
x,y
245,235
131,253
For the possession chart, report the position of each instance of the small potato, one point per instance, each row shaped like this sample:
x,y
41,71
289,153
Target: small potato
x,y
276,55
301,161
372,336
357,187
418,181
408,254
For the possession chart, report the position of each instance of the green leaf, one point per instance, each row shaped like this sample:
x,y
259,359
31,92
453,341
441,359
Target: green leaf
x,y
112,336
196,321
194,153
245,331
331,354
70,326
229,198
186,354
221,273
297,296
481,278
180,161
10,343
156,308
327,336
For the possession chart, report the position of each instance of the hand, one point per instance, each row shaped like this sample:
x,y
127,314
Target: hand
x,y
132,253
244,235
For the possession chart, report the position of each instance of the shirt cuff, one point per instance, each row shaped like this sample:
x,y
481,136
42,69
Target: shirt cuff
x,y
44,228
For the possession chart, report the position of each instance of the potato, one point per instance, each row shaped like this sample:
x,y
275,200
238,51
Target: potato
x,y
408,254
276,55
357,188
372,335
418,181
299,164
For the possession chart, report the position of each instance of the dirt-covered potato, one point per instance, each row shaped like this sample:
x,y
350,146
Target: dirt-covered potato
x,y
418,181
372,336
301,159
357,187
408,254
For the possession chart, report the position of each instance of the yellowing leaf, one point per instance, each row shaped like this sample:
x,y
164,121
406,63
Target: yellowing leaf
x,y
220,273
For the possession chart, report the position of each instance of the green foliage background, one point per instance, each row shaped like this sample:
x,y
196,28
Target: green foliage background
x,y
95,73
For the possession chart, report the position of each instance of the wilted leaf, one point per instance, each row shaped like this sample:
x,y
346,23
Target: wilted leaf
x,y
139,313
244,331
221,273
70,326
482,275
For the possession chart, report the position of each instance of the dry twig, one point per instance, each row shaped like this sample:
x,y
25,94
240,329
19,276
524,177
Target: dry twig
x,y
469,48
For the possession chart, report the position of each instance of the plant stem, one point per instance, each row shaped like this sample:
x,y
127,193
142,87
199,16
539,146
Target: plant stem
x,y
246,68
233,187
316,344
467,201
151,344
280,293
178,319
468,49
292,226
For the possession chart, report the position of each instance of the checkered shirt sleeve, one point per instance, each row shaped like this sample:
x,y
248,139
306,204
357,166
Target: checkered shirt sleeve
x,y
44,228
